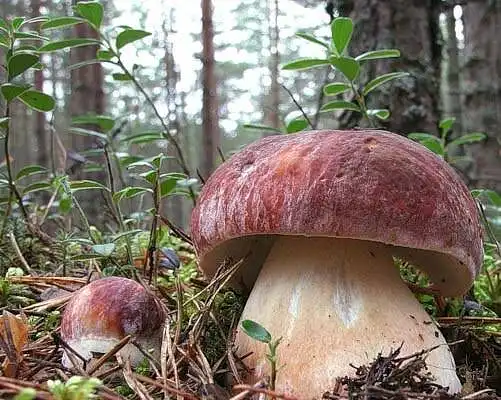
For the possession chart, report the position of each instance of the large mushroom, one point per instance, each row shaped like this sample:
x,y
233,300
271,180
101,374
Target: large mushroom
x,y
318,218
104,312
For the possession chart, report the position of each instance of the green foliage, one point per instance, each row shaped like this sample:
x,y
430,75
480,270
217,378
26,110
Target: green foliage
x,y
26,394
350,69
442,145
257,332
75,388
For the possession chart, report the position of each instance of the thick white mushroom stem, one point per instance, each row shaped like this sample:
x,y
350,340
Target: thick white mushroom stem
x,y
336,302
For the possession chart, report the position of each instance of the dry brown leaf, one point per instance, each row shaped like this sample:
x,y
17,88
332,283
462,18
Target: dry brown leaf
x,y
13,338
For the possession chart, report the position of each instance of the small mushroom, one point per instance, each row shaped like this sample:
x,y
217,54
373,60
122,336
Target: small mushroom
x,y
318,218
103,312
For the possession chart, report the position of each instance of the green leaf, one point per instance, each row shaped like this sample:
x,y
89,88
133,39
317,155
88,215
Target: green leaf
x,y
30,36
380,80
4,41
340,105
297,125
381,114
468,138
68,43
157,160
305,63
433,145
37,100
119,76
342,29
333,89
61,22
88,132
167,186
348,66
103,121
10,91
446,124
35,20
431,142
261,128
86,185
17,22
37,187
127,159
92,11
130,192
26,394
312,39
141,163
104,55
130,35
27,47
4,122
104,249
20,62
256,331
418,136
30,170
86,257
492,195
149,176
65,203
378,54
144,137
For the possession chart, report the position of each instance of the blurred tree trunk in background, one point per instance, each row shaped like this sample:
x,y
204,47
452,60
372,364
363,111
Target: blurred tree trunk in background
x,y
87,97
210,118
39,130
273,108
411,27
452,98
175,211
482,89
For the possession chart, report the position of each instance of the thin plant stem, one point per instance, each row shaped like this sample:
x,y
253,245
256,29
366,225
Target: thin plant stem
x,y
8,163
115,206
166,132
305,116
83,217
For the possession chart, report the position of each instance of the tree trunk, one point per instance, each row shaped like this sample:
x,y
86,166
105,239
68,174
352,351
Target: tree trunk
x,y
482,90
210,120
175,209
452,103
274,96
87,97
411,27
39,129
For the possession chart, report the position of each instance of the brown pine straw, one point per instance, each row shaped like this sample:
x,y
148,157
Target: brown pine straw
x,y
256,388
185,370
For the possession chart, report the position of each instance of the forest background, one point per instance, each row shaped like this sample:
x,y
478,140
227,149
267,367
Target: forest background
x,y
211,70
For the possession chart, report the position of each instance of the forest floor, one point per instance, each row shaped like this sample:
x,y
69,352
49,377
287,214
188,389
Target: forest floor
x,y
198,360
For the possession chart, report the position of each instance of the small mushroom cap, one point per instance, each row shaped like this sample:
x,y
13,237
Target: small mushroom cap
x,y
106,310
360,184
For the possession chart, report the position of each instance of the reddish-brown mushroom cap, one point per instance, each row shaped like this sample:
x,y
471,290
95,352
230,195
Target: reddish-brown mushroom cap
x,y
105,311
361,184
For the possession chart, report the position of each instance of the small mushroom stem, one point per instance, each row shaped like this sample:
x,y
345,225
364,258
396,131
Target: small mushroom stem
x,y
336,302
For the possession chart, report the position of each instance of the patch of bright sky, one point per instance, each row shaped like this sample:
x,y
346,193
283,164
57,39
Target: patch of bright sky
x,y
188,22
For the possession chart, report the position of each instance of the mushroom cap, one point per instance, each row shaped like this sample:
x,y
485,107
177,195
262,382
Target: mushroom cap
x,y
359,184
105,311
